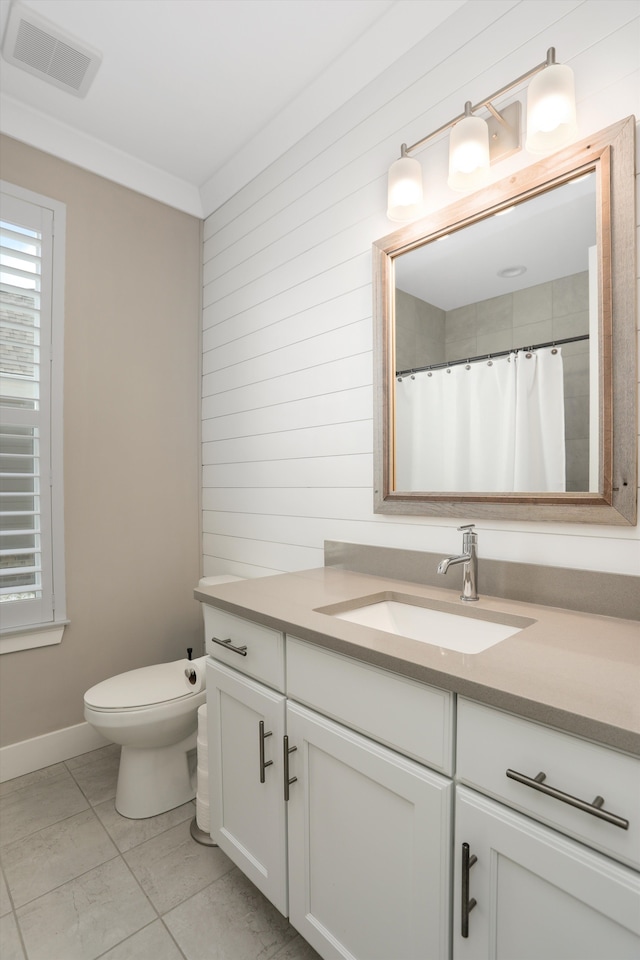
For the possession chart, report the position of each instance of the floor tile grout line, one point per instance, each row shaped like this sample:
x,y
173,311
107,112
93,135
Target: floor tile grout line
x,y
118,855
41,782
144,892
140,842
92,803
178,947
64,883
108,751
47,826
131,935
164,913
14,914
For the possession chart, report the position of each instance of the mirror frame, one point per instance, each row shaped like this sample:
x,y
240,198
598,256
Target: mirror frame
x,y
611,153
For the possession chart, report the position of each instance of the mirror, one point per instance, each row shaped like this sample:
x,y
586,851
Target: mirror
x,y
505,347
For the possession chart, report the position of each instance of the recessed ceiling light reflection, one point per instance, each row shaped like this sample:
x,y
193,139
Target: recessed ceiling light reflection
x,y
509,272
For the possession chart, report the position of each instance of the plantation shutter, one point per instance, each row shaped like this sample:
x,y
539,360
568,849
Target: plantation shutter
x,y
26,575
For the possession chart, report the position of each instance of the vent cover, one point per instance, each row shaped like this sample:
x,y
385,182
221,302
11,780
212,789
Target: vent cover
x,y
39,47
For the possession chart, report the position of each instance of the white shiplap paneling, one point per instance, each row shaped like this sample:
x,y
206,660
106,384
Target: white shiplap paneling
x,y
287,342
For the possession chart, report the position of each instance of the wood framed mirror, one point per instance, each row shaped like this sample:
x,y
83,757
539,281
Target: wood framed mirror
x,y
505,358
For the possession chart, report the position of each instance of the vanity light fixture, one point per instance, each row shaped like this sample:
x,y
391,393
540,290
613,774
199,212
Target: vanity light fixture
x,y
469,152
551,107
475,143
405,187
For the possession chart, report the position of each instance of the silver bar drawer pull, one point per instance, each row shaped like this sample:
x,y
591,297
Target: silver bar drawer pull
x,y
596,808
229,646
287,779
263,763
467,903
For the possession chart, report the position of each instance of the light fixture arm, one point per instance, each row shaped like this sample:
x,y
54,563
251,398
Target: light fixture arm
x,y
487,102
475,143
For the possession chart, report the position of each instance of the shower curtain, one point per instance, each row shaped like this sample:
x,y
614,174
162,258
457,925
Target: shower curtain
x,y
491,425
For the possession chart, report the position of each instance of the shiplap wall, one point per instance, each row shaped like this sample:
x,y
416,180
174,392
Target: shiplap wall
x,y
287,321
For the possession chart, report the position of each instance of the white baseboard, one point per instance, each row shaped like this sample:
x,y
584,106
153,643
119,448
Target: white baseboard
x,y
26,756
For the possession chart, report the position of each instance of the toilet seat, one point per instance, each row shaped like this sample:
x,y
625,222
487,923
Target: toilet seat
x,y
145,687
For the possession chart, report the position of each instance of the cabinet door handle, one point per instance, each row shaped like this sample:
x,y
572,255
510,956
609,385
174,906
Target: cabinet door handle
x,y
263,763
287,779
229,646
596,808
467,903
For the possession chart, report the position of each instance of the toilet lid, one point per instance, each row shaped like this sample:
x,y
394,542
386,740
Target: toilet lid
x,y
140,688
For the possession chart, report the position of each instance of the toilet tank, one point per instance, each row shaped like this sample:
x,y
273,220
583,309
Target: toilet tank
x,y
210,582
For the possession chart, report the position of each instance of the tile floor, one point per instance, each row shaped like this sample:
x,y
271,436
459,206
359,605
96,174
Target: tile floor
x,y
80,882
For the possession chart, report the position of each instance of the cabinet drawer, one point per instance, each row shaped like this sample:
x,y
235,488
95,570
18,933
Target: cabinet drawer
x,y
411,717
491,742
263,657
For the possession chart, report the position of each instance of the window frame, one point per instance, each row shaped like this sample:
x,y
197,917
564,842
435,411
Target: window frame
x,y
43,623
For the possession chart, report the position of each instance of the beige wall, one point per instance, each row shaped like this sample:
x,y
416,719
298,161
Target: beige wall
x,y
131,443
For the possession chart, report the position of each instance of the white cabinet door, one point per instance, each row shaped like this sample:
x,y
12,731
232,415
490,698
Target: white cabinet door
x,y
248,814
538,894
369,846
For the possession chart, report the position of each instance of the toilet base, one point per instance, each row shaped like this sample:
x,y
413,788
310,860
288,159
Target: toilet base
x,y
154,780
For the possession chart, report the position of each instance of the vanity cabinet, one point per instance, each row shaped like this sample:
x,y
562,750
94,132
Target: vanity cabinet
x,y
246,727
332,787
528,889
349,838
369,848
534,893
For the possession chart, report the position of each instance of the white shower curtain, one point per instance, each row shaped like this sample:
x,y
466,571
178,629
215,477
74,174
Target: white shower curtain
x,y
493,425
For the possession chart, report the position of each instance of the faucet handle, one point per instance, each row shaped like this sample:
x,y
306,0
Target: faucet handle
x,y
469,536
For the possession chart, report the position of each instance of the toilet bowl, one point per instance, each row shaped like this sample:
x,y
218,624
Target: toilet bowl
x,y
153,715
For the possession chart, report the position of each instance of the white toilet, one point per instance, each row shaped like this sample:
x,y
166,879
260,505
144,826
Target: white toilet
x,y
153,714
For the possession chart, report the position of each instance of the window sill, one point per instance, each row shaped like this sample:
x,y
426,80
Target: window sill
x,y
41,635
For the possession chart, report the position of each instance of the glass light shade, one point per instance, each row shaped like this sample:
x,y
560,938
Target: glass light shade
x,y
469,154
405,189
551,109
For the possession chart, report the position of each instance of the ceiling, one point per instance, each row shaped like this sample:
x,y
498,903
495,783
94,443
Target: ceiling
x,y
544,238
203,94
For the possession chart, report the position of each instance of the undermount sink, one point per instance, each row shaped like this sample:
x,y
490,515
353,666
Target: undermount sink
x,y
435,622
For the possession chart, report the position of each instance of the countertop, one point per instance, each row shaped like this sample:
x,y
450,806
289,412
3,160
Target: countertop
x,y
574,671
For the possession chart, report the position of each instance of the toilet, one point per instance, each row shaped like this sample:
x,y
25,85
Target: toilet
x,y
153,714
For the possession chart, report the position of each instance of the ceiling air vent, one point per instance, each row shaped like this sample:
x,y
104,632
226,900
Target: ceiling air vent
x,y
39,47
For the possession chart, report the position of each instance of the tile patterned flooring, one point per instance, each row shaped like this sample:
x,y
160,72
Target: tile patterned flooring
x,y
80,882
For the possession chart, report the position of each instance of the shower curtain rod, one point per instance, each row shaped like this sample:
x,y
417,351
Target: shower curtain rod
x,y
490,356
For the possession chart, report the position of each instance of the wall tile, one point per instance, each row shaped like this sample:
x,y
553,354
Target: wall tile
x,y
570,294
532,304
495,314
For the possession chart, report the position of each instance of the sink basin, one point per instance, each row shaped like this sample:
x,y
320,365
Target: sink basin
x,y
435,622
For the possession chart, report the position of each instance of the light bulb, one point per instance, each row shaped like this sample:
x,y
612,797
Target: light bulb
x,y
551,109
405,189
469,154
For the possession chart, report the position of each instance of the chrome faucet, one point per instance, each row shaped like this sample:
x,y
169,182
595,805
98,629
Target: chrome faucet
x,y
469,557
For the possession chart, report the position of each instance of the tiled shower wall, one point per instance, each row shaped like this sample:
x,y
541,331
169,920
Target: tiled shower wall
x,y
538,314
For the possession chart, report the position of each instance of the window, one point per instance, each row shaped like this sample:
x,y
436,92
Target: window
x,y
32,599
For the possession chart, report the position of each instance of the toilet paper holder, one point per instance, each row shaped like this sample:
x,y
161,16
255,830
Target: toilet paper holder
x,y
190,674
